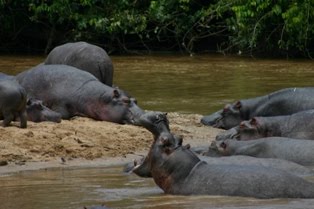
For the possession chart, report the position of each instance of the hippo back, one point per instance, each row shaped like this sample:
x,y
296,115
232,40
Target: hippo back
x,y
84,56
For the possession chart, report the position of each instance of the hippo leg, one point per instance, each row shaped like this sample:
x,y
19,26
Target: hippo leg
x,y
8,117
23,119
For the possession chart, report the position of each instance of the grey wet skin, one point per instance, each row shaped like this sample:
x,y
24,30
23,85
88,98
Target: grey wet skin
x,y
282,102
72,92
296,150
12,102
84,56
192,176
140,166
38,112
177,170
298,126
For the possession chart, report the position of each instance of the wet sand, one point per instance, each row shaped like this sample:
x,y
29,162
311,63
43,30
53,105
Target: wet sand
x,y
85,142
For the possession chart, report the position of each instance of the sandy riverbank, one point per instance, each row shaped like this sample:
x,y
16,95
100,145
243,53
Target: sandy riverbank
x,y
85,142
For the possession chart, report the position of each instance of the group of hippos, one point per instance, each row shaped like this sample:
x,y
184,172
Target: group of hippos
x,y
74,80
270,138
265,152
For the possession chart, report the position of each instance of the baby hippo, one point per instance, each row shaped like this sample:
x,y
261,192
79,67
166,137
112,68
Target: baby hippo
x,y
296,150
38,112
12,102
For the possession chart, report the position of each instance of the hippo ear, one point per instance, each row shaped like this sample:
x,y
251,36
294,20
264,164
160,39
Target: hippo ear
x,y
238,105
116,93
226,108
165,141
254,121
29,101
242,125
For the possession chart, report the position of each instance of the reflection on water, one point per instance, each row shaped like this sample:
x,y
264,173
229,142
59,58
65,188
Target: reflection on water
x,y
75,188
200,84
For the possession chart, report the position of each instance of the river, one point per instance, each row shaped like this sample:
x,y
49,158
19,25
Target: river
x,y
199,84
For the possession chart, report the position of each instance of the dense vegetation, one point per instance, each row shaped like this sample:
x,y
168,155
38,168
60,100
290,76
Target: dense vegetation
x,y
255,27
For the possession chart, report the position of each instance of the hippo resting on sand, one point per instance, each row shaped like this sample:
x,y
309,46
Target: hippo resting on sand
x,y
38,112
296,150
12,102
35,109
298,126
177,170
282,102
72,92
84,56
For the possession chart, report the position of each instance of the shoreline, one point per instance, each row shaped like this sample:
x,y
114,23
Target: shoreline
x,y
83,142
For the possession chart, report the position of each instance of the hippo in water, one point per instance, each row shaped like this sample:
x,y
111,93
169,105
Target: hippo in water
x,y
298,126
140,166
282,102
72,92
84,56
296,150
177,170
12,102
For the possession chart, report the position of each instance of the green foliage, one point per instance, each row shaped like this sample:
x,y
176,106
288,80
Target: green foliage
x,y
267,25
249,26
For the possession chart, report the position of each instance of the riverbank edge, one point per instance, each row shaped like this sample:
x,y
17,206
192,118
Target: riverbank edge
x,y
12,168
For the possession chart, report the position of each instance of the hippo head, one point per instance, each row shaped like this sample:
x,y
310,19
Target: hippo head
x,y
126,106
230,116
38,112
155,122
114,106
232,133
211,120
223,147
251,129
212,151
170,162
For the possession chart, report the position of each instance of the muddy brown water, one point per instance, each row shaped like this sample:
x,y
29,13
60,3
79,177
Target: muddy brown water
x,y
199,84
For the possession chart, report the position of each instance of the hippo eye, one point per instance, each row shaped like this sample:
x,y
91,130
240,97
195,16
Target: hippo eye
x,y
126,101
223,145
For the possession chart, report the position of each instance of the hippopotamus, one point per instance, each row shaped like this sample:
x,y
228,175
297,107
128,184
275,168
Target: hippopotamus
x,y
35,109
38,112
298,126
84,56
283,102
12,102
4,76
177,170
140,166
72,92
296,150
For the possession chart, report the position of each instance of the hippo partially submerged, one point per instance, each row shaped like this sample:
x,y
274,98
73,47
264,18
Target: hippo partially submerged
x,y
298,126
282,102
296,150
177,170
140,166
72,92
84,56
